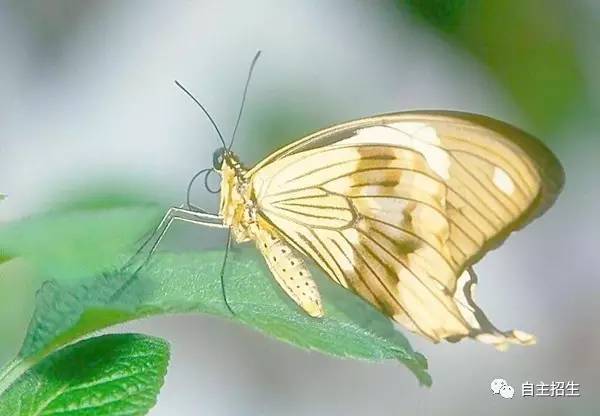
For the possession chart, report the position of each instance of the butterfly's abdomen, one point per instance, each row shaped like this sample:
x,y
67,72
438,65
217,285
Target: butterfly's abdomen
x,y
290,271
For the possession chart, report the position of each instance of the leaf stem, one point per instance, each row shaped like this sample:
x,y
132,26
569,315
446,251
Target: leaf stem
x,y
12,371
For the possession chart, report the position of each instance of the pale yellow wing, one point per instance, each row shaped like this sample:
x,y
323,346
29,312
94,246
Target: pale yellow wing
x,y
398,207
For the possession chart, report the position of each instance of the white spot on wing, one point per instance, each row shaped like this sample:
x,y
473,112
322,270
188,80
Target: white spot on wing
x,y
503,181
418,136
438,160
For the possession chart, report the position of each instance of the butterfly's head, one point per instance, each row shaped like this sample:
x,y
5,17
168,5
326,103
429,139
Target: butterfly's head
x,y
224,158
219,158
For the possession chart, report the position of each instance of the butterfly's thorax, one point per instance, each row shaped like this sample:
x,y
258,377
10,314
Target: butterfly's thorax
x,y
237,203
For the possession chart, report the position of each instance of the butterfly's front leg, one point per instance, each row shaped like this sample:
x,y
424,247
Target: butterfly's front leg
x,y
174,213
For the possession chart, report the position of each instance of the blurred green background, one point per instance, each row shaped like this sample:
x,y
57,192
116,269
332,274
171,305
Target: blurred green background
x,y
89,107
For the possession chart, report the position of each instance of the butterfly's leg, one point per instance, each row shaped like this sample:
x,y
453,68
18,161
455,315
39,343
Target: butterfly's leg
x,y
148,236
227,247
200,218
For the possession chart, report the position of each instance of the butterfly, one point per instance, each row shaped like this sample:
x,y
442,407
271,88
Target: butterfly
x,y
396,208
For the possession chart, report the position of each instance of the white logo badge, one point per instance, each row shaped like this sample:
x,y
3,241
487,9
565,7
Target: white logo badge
x,y
497,384
501,387
507,392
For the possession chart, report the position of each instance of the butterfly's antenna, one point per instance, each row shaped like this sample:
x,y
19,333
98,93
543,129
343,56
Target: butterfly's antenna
x,y
204,110
237,123
223,271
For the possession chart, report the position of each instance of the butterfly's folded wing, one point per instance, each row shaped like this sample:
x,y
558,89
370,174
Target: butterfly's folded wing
x,y
398,207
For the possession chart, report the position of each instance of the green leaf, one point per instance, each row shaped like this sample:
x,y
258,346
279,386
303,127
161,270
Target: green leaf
x,y
17,289
107,375
69,245
179,283
72,244
176,283
531,47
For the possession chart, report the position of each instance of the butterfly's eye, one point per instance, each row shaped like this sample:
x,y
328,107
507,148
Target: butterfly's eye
x,y
218,158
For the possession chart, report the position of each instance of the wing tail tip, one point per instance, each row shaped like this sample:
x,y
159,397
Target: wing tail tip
x,y
502,340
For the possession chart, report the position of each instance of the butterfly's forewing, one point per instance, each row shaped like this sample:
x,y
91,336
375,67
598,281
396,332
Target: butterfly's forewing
x,y
397,207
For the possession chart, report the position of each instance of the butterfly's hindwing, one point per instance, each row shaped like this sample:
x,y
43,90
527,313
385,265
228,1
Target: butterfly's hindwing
x,y
398,207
